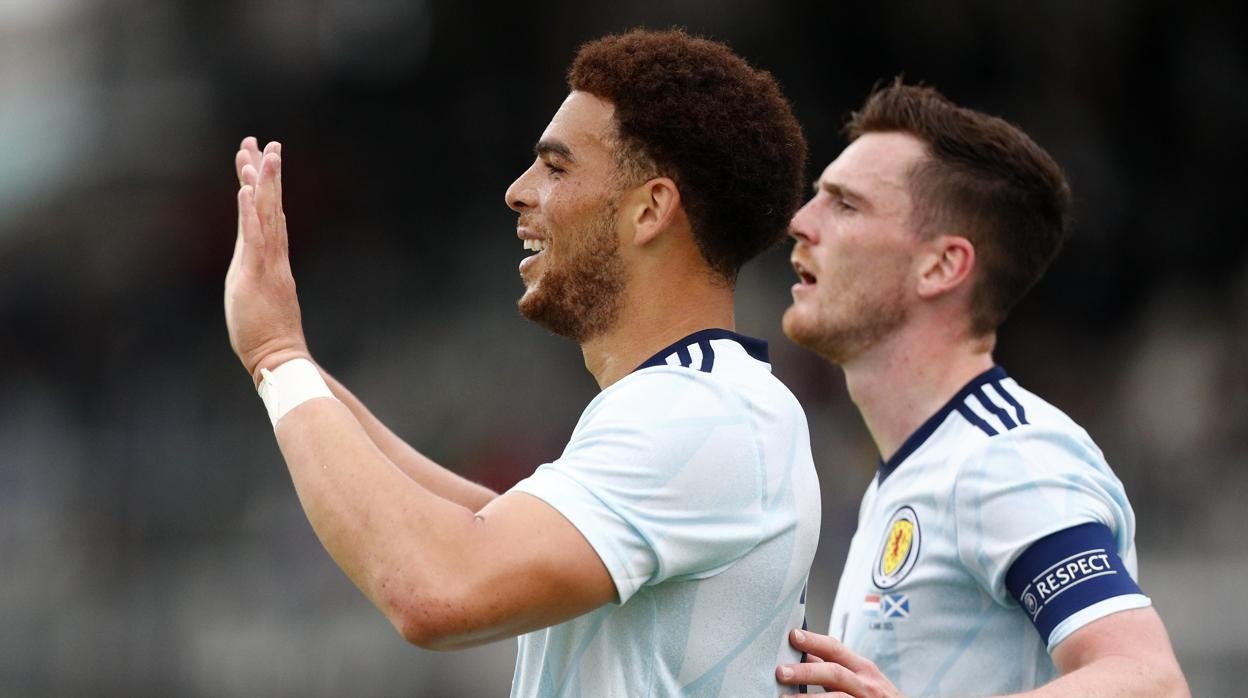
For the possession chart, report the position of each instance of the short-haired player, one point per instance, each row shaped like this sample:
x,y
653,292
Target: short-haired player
x,y
995,550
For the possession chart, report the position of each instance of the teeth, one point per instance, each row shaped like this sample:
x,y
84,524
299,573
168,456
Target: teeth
x,y
805,276
535,245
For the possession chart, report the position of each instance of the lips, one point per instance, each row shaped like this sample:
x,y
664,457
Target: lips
x,y
533,241
807,278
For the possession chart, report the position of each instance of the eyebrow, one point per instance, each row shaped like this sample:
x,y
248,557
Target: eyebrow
x,y
838,190
547,147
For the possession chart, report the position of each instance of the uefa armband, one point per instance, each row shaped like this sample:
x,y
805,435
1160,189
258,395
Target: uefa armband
x,y
289,385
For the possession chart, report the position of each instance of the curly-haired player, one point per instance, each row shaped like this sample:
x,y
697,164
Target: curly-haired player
x,y
667,550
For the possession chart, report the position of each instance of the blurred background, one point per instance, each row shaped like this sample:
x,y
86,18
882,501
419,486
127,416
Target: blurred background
x,y
150,540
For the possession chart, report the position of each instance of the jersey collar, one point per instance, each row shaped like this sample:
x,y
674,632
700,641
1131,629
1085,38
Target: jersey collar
x,y
921,434
757,348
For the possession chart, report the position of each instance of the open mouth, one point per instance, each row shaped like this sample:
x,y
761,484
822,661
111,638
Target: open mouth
x,y
805,276
534,244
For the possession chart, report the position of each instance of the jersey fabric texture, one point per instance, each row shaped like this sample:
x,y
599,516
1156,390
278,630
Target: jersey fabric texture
x,y
997,518
692,479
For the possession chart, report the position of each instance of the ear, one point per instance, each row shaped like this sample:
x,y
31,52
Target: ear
x,y
652,208
946,266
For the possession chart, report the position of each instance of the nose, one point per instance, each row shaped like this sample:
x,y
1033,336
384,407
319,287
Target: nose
x,y
802,227
521,195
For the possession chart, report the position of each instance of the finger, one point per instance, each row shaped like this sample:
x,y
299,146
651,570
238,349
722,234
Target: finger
x,y
275,148
249,228
252,146
241,159
828,648
248,154
238,239
250,175
831,676
279,204
266,194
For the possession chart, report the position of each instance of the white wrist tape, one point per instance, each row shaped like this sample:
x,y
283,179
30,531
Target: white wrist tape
x,y
290,385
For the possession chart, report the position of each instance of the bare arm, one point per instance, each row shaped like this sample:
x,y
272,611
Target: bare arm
x,y
1123,654
413,463
443,575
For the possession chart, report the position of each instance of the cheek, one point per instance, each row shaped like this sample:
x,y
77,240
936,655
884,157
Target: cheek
x,y
563,205
853,275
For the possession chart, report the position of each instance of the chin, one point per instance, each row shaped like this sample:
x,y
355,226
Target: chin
x,y
795,327
548,313
807,333
530,305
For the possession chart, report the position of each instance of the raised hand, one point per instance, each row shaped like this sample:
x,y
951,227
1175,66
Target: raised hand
x,y
829,663
261,307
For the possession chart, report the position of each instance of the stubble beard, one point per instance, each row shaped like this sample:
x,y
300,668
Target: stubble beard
x,y
841,337
580,297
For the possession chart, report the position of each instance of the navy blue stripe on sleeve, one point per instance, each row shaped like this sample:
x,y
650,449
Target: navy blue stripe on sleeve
x,y
708,355
682,353
1018,407
994,408
973,418
1065,572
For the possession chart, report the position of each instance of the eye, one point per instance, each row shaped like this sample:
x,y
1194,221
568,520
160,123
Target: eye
x,y
841,204
553,168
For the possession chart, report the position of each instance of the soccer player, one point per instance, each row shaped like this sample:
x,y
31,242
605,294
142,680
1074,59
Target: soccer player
x,y
666,551
995,548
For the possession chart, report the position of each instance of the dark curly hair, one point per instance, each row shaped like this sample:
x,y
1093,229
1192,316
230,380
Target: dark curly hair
x,y
984,178
690,109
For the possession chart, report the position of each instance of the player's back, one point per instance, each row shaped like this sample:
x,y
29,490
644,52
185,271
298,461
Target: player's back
x,y
692,478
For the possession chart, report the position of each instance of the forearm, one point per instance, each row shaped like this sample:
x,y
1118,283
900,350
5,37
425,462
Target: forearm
x,y
1116,677
411,462
407,549
444,576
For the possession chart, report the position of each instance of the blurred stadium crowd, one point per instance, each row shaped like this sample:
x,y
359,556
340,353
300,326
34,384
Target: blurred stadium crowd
x,y
150,542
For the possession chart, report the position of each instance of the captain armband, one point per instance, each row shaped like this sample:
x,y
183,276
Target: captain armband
x,y
1071,578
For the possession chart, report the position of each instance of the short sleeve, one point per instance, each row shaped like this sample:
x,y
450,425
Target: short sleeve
x,y
662,476
1024,485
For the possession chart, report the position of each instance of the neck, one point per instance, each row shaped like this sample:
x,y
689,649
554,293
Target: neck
x,y
908,377
655,319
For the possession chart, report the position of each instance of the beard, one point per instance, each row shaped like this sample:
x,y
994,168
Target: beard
x,y
844,332
580,294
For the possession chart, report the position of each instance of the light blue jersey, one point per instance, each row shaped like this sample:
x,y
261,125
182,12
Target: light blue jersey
x,y
995,532
692,479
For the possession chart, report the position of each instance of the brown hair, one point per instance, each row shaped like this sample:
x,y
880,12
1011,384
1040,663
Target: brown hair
x,y
690,109
984,179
